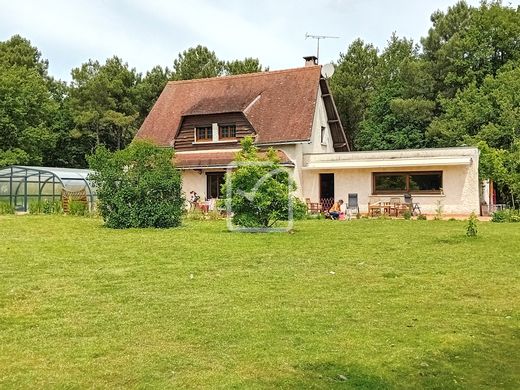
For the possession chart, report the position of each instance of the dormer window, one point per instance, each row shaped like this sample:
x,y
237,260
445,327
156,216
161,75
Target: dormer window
x,y
204,134
227,132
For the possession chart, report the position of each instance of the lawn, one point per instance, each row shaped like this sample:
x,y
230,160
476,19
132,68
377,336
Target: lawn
x,y
360,304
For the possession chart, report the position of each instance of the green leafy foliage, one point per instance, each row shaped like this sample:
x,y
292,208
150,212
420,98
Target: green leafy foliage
x,y
508,215
137,186
247,65
260,189
471,226
6,208
78,208
197,63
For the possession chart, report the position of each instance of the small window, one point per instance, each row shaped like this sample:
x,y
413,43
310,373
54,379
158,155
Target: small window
x,y
323,135
203,134
227,132
407,182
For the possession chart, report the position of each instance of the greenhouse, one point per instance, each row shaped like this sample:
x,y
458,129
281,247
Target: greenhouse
x,y
22,185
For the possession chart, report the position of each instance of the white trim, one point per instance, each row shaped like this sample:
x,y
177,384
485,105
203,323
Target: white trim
x,y
207,151
389,163
226,141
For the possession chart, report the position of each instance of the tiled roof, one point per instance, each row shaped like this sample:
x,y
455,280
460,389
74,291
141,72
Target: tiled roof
x,y
279,105
221,159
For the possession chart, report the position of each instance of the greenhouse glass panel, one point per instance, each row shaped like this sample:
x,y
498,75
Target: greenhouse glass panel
x,y
21,185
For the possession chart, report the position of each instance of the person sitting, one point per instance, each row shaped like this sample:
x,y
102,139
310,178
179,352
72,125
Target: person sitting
x,y
335,210
193,200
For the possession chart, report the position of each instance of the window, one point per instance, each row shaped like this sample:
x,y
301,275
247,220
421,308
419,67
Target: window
x,y
404,182
227,131
323,135
214,183
203,134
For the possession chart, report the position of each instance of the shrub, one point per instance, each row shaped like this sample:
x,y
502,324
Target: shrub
x,y
35,207
500,216
78,208
471,227
506,216
137,186
421,217
299,209
407,214
260,189
6,208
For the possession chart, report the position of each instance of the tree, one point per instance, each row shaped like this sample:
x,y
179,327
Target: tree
x,y
487,113
26,109
137,187
247,65
353,84
260,189
103,102
18,52
149,88
197,63
465,44
400,109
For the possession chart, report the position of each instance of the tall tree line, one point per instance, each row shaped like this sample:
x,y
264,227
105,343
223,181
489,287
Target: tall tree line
x,y
459,86
44,121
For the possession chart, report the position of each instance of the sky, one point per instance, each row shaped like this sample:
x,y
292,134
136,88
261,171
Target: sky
x,y
146,33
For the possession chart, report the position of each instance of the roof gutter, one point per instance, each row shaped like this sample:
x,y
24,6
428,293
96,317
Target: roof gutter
x,y
283,142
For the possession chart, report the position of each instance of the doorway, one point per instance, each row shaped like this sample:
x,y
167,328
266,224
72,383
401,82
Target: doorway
x,y
326,190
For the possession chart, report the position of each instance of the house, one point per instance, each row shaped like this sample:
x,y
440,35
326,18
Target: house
x,y
293,111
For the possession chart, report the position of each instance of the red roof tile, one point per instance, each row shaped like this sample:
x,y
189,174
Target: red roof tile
x,y
279,105
216,159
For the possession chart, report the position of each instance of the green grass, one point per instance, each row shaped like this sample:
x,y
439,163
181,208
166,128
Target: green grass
x,y
360,304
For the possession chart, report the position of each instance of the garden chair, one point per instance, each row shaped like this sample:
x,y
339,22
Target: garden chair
x,y
397,206
374,206
352,205
313,207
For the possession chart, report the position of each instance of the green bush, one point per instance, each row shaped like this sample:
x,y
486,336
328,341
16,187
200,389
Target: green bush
x,y
261,190
421,217
78,208
500,216
471,227
35,207
299,209
6,208
137,186
407,214
506,216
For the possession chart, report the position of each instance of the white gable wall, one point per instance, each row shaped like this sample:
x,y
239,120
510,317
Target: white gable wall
x,y
320,120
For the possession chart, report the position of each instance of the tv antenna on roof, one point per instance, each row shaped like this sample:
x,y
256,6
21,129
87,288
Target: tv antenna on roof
x,y
318,37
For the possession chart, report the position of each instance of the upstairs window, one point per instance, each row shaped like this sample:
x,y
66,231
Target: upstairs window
x,y
323,136
227,132
204,134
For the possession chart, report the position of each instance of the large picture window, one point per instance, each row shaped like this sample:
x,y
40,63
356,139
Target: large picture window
x,y
407,182
203,134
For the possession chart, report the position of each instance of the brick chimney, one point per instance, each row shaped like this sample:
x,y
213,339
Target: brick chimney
x,y
311,60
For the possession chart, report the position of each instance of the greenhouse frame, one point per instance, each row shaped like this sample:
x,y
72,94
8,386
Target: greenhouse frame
x,y
21,185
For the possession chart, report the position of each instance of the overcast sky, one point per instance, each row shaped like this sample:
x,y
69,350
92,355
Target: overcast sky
x,y
150,32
